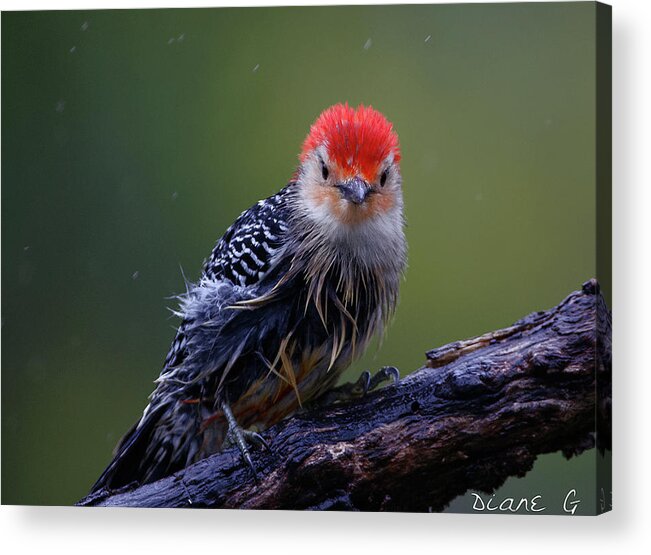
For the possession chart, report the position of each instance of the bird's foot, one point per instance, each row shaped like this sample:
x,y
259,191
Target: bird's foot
x,y
243,438
360,388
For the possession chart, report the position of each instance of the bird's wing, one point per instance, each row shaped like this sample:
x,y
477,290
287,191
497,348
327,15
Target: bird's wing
x,y
243,256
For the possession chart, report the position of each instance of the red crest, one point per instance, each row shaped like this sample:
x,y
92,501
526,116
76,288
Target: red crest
x,y
357,140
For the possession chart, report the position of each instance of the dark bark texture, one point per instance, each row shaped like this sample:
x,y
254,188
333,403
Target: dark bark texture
x,y
479,411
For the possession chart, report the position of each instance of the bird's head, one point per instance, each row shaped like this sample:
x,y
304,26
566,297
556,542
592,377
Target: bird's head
x,y
349,173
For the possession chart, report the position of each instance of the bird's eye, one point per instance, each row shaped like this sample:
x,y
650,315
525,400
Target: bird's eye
x,y
324,171
383,178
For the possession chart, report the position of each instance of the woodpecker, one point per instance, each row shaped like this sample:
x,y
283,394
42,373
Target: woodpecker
x,y
291,295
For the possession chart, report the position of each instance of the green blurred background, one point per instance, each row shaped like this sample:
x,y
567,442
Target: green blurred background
x,y
132,139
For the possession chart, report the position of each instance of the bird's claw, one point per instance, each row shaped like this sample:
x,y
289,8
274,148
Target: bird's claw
x,y
254,438
360,388
384,374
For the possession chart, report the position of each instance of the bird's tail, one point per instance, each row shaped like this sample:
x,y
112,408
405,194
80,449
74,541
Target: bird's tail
x,y
161,443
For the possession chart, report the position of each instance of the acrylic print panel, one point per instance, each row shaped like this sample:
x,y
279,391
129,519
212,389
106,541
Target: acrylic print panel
x,y
132,140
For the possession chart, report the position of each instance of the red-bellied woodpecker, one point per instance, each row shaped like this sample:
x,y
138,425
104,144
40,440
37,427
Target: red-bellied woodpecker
x,y
290,296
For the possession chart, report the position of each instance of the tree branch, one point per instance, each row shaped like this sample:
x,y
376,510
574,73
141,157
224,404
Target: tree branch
x,y
479,411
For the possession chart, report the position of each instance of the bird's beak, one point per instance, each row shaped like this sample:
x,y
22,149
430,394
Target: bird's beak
x,y
354,190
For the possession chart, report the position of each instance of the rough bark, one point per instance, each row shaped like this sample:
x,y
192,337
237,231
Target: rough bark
x,y
479,411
